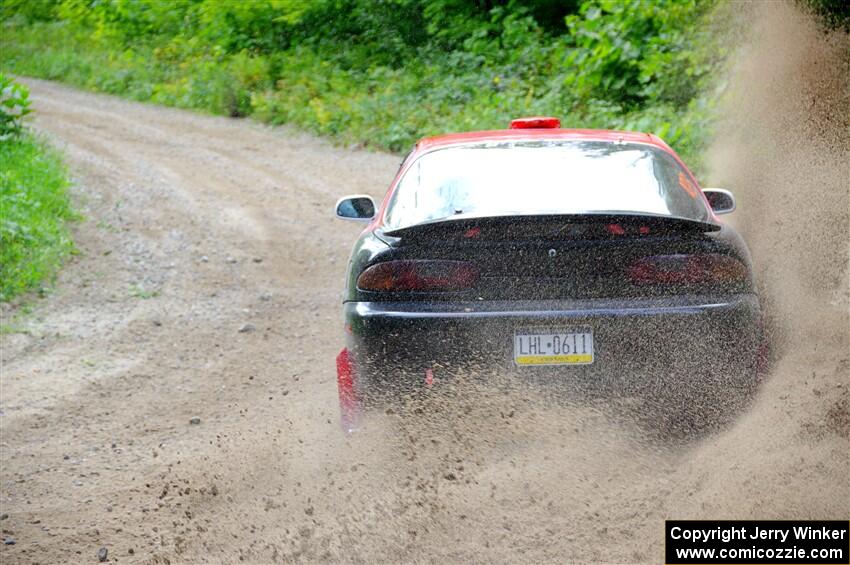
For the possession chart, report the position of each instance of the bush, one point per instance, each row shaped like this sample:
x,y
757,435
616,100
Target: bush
x,y
14,106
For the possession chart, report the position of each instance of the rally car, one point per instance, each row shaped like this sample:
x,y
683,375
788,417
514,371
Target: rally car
x,y
580,256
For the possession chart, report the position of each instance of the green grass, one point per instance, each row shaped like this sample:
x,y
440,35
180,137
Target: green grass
x,y
34,212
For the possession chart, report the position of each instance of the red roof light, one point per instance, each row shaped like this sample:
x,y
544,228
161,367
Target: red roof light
x,y
537,122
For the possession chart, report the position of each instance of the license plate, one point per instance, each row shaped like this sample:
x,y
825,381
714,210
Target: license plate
x,y
553,346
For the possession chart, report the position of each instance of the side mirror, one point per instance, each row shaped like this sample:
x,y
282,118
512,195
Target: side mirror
x,y
721,201
360,208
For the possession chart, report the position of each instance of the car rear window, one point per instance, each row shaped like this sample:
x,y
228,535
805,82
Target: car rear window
x,y
544,177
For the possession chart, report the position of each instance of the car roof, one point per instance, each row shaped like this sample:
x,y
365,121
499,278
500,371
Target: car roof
x,y
471,137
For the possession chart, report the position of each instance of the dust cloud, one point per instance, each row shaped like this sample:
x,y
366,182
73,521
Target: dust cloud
x,y
784,149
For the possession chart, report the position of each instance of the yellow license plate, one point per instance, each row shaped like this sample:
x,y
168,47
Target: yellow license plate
x,y
553,346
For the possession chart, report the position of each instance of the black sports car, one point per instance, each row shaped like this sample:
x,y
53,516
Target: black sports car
x,y
591,257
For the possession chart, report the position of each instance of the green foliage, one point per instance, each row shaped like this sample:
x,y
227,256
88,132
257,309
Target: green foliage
x,y
14,106
385,72
34,208
631,52
834,14
27,10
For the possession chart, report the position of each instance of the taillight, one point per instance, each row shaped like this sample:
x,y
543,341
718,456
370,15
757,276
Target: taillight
x,y
687,269
418,275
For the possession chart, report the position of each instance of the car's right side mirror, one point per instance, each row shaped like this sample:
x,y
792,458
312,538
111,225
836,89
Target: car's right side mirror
x,y
721,201
360,208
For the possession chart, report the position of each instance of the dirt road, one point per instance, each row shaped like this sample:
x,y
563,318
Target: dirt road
x,y
198,227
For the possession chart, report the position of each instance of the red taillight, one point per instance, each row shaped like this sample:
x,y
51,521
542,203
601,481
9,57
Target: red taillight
x,y
537,122
418,275
687,269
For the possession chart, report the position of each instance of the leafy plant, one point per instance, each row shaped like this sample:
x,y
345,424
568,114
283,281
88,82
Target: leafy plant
x,y
14,106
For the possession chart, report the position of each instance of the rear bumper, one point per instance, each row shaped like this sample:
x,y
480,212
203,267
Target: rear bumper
x,y
634,339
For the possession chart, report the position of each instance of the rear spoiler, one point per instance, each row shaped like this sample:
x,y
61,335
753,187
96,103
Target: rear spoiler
x,y
461,224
